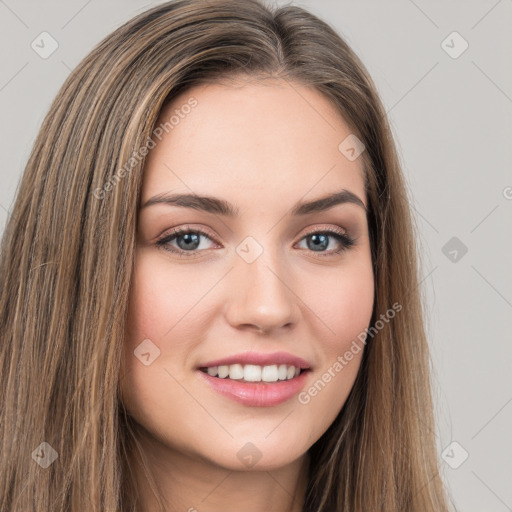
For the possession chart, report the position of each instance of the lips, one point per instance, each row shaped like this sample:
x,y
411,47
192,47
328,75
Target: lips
x,y
256,379
256,394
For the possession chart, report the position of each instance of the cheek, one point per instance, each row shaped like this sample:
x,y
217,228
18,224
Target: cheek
x,y
351,308
152,311
159,299
345,305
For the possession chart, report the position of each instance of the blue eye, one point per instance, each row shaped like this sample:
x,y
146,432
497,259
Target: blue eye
x,y
318,241
187,242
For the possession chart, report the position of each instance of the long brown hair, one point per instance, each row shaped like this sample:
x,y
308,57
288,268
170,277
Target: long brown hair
x,y
67,257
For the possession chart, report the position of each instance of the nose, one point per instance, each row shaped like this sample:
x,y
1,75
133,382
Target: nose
x,y
261,296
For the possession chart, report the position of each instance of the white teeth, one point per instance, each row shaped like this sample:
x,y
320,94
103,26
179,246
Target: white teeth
x,y
269,373
236,372
213,370
223,371
254,373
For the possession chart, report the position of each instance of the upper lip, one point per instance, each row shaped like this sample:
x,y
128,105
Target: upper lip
x,y
260,359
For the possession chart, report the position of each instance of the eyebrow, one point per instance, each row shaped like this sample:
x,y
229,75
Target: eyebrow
x,y
222,207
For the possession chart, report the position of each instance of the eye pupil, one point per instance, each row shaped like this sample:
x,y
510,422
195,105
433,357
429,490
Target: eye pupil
x,y
318,241
190,238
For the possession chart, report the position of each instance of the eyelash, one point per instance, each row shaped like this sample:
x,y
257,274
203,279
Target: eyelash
x,y
346,241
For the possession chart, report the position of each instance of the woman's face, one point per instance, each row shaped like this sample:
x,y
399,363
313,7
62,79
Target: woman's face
x,y
268,277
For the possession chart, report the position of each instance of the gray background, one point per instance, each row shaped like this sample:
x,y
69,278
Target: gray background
x,y
452,118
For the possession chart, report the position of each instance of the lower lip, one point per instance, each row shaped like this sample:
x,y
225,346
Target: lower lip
x,y
257,394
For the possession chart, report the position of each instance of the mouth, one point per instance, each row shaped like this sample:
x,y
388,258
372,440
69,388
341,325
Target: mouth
x,y
251,373
253,385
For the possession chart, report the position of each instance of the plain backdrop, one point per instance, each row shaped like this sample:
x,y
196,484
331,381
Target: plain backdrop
x,y
444,74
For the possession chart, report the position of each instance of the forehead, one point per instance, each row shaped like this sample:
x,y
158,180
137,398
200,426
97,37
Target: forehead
x,y
270,135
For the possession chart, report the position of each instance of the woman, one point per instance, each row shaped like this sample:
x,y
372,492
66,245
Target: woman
x,y
209,282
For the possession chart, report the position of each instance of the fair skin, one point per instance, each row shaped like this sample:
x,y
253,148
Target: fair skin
x,y
263,147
